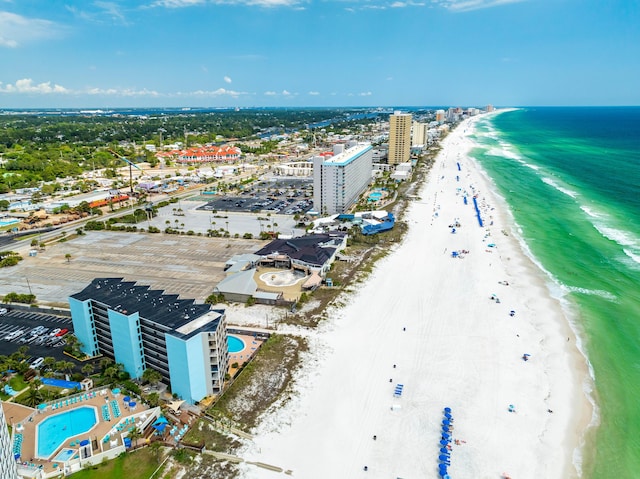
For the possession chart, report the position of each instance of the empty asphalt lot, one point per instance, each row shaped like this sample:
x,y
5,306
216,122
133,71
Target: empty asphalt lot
x,y
186,265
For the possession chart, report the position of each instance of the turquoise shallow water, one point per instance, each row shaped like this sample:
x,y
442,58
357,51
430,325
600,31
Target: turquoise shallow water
x,y
572,179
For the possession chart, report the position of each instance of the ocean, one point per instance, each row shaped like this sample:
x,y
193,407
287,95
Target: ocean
x,y
571,177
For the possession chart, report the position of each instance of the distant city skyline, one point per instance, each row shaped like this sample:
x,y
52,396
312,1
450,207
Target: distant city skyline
x,y
306,53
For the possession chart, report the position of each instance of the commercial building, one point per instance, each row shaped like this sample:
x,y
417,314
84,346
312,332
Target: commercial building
x,y
143,328
8,469
339,180
399,138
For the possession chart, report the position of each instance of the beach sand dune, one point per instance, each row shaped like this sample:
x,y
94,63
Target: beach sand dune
x,y
426,319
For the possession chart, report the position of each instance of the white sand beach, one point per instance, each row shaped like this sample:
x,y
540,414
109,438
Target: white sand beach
x,y
426,320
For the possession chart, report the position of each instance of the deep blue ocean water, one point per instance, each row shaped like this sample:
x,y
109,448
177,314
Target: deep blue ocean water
x,y
572,179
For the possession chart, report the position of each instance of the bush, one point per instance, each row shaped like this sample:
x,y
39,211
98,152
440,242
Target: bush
x,y
19,298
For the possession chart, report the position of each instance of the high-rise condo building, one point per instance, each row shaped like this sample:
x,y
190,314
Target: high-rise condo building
x,y
143,328
419,134
399,138
8,468
339,180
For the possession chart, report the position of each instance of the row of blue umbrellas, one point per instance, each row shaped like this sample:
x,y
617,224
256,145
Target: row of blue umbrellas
x,y
444,457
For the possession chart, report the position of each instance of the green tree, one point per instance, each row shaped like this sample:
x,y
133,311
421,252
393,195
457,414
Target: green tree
x,y
87,369
151,376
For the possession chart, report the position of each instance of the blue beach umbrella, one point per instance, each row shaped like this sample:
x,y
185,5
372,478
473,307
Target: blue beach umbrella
x,y
444,450
443,458
446,422
444,442
447,409
445,435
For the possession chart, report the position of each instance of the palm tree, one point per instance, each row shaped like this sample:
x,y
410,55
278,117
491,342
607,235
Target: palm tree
x,y
105,363
34,397
151,376
87,369
48,362
68,366
68,257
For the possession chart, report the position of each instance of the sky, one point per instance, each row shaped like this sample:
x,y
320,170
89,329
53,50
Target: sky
x,y
305,53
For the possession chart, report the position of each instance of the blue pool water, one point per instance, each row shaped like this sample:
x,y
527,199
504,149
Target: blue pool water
x,y
64,455
11,221
54,431
235,344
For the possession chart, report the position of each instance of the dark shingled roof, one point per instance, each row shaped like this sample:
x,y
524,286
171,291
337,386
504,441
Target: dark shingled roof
x,y
127,298
304,248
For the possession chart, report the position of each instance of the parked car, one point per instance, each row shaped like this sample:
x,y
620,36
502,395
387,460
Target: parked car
x,y
14,335
62,332
3,311
37,363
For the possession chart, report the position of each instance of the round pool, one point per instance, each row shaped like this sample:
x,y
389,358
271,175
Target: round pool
x,y
234,344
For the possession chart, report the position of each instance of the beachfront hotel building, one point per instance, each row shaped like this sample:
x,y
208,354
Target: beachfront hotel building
x,y
399,137
143,328
339,180
8,468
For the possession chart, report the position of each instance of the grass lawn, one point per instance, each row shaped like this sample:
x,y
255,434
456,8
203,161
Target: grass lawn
x,y
17,383
139,464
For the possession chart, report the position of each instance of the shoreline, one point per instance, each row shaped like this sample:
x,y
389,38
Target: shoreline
x,y
431,316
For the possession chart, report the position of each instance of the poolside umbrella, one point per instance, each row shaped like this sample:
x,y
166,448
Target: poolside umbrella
x,y
16,456
116,391
132,404
126,399
160,427
161,420
84,442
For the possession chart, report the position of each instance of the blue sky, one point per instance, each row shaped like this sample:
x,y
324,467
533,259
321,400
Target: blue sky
x,y
210,53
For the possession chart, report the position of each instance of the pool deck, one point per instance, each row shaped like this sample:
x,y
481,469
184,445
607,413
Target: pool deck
x,y
25,421
251,346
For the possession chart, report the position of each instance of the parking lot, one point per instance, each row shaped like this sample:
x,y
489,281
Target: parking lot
x,y
288,196
37,331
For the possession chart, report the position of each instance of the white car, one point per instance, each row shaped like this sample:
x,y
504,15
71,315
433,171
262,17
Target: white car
x,y
37,363
3,311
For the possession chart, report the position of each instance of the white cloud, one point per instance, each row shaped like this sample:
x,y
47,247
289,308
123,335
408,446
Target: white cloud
x,y
314,93
218,92
192,3
26,85
270,93
112,10
285,93
469,5
227,79
365,93
16,29
177,3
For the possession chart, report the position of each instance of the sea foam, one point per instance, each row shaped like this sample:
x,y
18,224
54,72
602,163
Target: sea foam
x,y
561,189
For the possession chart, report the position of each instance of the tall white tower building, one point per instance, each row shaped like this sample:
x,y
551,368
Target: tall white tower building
x,y
339,180
8,468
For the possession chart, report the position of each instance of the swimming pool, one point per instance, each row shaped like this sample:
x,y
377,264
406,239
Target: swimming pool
x,y
54,431
64,455
235,344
